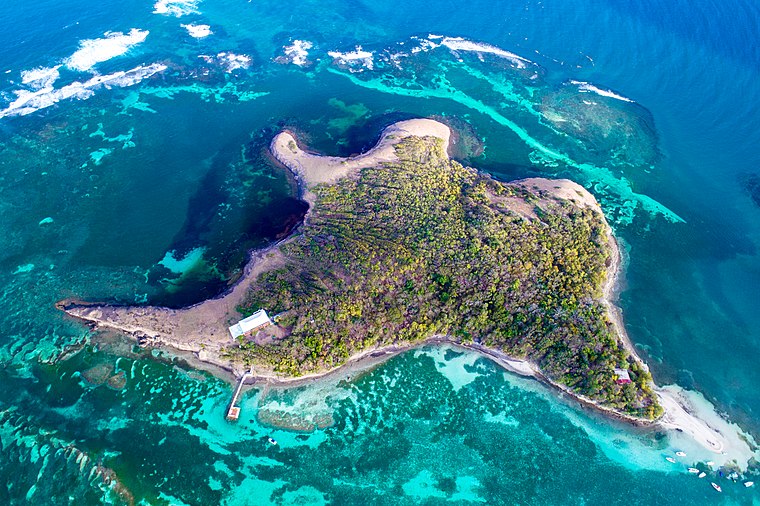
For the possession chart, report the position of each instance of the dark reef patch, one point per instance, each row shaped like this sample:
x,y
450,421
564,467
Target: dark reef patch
x,y
751,184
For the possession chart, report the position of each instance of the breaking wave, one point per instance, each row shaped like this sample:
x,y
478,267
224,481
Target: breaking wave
x,y
28,102
585,87
354,60
41,77
297,53
94,51
456,44
177,8
198,31
228,61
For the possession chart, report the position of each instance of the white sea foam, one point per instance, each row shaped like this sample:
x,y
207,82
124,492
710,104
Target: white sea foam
x,y
297,52
353,58
93,51
27,102
425,45
461,44
228,61
396,58
177,8
590,88
198,31
232,61
41,77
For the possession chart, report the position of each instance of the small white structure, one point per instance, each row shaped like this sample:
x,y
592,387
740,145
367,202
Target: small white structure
x,y
257,320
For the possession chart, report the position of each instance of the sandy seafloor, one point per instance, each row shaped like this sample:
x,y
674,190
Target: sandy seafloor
x,y
151,187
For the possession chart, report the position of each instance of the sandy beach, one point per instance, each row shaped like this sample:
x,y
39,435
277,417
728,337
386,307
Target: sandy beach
x,y
202,329
311,169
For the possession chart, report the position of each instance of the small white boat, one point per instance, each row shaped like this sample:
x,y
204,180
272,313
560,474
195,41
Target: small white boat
x,y
681,454
272,441
748,483
693,470
716,486
702,475
710,463
671,460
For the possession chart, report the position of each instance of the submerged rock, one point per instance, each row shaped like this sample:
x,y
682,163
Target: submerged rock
x,y
292,422
98,374
118,381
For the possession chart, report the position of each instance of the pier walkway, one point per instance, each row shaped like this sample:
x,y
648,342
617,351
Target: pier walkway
x,y
233,412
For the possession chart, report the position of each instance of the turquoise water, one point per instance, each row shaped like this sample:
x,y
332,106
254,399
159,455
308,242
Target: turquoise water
x,y
151,188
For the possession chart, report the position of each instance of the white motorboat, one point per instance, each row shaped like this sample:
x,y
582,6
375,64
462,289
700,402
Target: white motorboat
x,y
693,470
716,486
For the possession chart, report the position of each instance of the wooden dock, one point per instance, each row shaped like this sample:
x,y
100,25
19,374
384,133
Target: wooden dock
x,y
233,412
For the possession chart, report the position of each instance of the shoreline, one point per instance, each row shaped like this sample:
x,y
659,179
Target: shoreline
x,y
198,333
202,327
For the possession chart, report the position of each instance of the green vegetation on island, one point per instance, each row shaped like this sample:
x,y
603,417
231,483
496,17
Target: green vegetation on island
x,y
424,247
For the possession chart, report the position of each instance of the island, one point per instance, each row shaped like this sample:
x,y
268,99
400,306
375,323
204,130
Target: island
x,y
403,246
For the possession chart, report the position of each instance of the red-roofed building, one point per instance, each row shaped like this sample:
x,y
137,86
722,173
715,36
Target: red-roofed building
x,y
622,376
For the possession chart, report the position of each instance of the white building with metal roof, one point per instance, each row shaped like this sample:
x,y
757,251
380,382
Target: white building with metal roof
x,y
257,320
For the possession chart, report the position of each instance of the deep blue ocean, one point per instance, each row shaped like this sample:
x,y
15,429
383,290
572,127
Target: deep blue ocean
x,y
133,169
